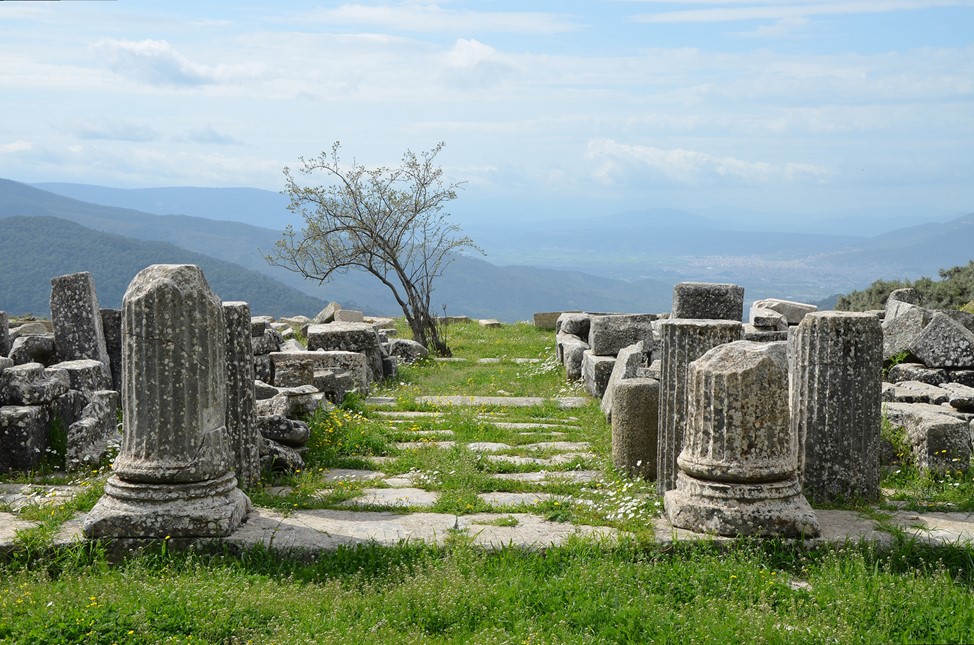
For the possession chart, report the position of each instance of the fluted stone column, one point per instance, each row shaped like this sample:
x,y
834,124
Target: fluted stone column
x,y
173,475
739,464
682,342
242,430
78,332
836,404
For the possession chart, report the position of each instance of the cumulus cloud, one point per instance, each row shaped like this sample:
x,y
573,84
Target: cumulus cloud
x,y
16,146
471,63
157,62
618,163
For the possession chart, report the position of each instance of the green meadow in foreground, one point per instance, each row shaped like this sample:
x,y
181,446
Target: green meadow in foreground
x,y
633,590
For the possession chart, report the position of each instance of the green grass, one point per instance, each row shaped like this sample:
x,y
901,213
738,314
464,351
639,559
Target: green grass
x,y
633,590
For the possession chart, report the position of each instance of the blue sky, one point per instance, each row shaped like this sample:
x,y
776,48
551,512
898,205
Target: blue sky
x,y
794,109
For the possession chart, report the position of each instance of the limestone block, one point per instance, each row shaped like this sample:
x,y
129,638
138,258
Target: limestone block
x,y
111,323
291,369
577,324
86,375
349,337
408,351
4,334
69,408
5,363
683,341
269,341
627,362
610,333
263,390
285,431
78,331
792,311
173,473
295,322
738,467
635,427
962,317
836,400
30,384
944,343
960,397
33,349
32,328
333,384
574,353
278,457
260,324
327,314
939,442
95,433
290,402
241,419
596,371
262,368
292,345
761,335
489,323
767,319
927,393
23,437
916,372
903,323
908,295
709,301
545,319
349,315
390,367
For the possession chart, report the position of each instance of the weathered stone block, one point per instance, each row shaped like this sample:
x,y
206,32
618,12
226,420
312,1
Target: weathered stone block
x,y
596,371
916,372
289,432
5,341
31,384
960,397
927,393
767,319
349,337
95,434
939,442
793,312
408,351
577,324
944,343
33,349
903,323
86,375
269,341
546,320
327,315
241,419
709,301
78,331
292,369
836,401
635,426
908,295
610,333
23,437
349,315
260,324
111,323
627,362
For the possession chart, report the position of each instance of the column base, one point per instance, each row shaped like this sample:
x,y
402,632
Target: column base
x,y
770,509
211,508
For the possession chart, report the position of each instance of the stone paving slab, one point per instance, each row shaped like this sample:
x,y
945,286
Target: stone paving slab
x,y
407,414
9,525
574,476
558,445
531,531
515,499
505,425
429,433
556,460
397,497
505,401
18,496
350,475
417,445
939,528
487,446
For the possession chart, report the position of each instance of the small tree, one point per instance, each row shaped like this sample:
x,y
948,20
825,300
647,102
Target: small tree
x,y
387,221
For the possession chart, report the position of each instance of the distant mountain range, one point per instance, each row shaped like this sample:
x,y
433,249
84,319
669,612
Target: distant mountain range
x,y
623,262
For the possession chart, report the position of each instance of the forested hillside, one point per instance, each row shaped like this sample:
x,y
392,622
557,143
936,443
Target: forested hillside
x,y
35,249
954,290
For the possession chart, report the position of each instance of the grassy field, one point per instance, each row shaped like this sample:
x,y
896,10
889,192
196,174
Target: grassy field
x,y
632,590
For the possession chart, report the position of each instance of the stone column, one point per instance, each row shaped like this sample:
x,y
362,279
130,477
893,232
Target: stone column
x,y
4,334
836,404
683,341
244,438
635,426
76,318
111,323
739,465
172,476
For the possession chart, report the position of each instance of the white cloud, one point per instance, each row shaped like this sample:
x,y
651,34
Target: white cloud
x,y
157,62
473,64
16,146
207,134
431,17
785,9
619,162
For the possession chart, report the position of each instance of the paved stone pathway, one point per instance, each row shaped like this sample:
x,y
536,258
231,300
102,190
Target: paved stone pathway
x,y
389,509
